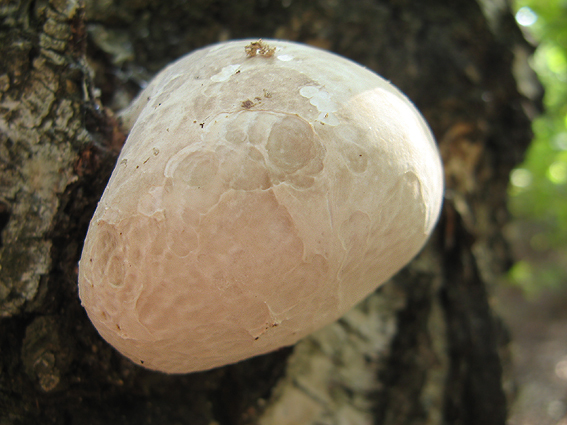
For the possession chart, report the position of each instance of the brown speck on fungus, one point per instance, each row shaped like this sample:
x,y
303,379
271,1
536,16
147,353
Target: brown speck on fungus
x,y
247,104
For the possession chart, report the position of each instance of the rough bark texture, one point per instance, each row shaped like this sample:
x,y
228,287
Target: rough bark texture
x,y
424,349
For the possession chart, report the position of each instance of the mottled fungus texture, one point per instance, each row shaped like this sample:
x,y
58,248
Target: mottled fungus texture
x,y
265,188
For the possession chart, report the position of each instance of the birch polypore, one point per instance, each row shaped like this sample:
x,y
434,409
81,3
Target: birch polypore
x,y
265,188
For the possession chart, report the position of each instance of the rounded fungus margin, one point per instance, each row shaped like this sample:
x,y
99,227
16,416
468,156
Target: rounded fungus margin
x,y
265,188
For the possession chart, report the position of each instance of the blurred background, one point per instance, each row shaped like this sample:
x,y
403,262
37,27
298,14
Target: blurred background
x,y
533,299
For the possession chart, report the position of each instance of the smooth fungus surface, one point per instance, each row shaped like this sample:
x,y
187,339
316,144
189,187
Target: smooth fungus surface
x,y
258,197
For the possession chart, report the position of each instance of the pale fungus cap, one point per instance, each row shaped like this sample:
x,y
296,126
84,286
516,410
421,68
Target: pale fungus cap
x,y
265,188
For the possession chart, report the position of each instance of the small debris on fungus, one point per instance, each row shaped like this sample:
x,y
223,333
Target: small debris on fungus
x,y
259,48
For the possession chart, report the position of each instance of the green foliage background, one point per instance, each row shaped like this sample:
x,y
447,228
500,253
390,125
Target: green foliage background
x,y
538,189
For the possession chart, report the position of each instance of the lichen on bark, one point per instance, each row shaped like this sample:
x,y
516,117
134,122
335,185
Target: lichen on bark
x,y
41,130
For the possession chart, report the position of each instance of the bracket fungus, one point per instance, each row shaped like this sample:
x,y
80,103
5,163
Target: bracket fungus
x,y
259,197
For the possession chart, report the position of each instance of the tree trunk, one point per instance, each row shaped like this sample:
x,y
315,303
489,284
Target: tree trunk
x,y
425,348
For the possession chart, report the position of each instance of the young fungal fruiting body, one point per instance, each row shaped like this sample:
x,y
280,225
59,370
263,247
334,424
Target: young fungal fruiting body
x,y
265,188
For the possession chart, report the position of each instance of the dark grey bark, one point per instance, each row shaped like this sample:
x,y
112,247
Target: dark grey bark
x,y
424,349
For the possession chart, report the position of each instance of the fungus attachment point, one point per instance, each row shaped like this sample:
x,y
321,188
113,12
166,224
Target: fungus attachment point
x,y
284,192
